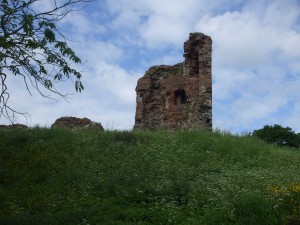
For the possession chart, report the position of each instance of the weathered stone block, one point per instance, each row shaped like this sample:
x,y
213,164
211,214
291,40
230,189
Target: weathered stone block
x,y
179,96
74,123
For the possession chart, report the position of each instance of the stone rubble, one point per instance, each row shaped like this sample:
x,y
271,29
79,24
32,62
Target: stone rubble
x,y
75,123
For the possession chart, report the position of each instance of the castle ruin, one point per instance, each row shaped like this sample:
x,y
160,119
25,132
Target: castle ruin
x,y
179,96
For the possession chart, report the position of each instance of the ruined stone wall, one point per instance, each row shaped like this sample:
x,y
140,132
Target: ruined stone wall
x,y
179,96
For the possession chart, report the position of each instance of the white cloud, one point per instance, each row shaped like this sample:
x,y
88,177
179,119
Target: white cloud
x,y
109,98
83,25
157,23
256,59
160,31
115,81
95,51
292,119
255,71
172,58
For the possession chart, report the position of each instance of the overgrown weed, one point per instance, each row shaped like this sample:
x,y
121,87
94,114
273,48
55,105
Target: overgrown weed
x,y
51,176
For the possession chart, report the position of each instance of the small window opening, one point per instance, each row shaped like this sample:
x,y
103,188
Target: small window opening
x,y
179,97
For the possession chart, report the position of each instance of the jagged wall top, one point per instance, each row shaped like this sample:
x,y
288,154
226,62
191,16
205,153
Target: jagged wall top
x,y
179,96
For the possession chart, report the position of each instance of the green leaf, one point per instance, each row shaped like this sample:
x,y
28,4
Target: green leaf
x,y
52,25
27,23
48,84
77,74
4,43
66,70
43,69
15,70
32,44
78,86
58,76
49,35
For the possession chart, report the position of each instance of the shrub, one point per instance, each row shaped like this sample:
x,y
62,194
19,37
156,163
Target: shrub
x,y
283,136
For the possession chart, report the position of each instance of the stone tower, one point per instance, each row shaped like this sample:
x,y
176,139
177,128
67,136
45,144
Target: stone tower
x,y
179,96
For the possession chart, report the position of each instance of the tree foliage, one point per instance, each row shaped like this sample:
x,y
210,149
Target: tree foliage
x,y
283,136
33,48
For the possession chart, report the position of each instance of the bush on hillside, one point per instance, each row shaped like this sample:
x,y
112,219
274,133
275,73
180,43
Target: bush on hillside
x,y
283,136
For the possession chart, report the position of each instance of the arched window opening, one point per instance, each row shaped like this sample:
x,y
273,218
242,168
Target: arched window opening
x,y
179,97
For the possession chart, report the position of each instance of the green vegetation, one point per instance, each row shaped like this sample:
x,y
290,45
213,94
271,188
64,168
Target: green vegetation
x,y
33,48
282,136
50,176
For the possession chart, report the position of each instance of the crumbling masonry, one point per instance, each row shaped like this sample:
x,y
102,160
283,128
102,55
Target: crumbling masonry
x,y
179,96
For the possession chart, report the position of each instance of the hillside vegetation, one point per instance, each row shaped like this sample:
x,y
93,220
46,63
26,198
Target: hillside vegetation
x,y
51,176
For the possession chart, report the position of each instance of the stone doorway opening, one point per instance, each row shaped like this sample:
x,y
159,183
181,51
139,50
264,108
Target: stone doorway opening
x,y
179,97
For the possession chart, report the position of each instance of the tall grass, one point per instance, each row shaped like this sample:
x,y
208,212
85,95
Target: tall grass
x,y
50,176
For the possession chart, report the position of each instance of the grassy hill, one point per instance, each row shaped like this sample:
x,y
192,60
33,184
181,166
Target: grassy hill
x,y
50,176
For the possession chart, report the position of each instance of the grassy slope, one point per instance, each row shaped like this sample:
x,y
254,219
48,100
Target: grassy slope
x,y
88,177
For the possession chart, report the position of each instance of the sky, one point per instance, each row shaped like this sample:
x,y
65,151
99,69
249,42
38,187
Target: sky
x,y
255,60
